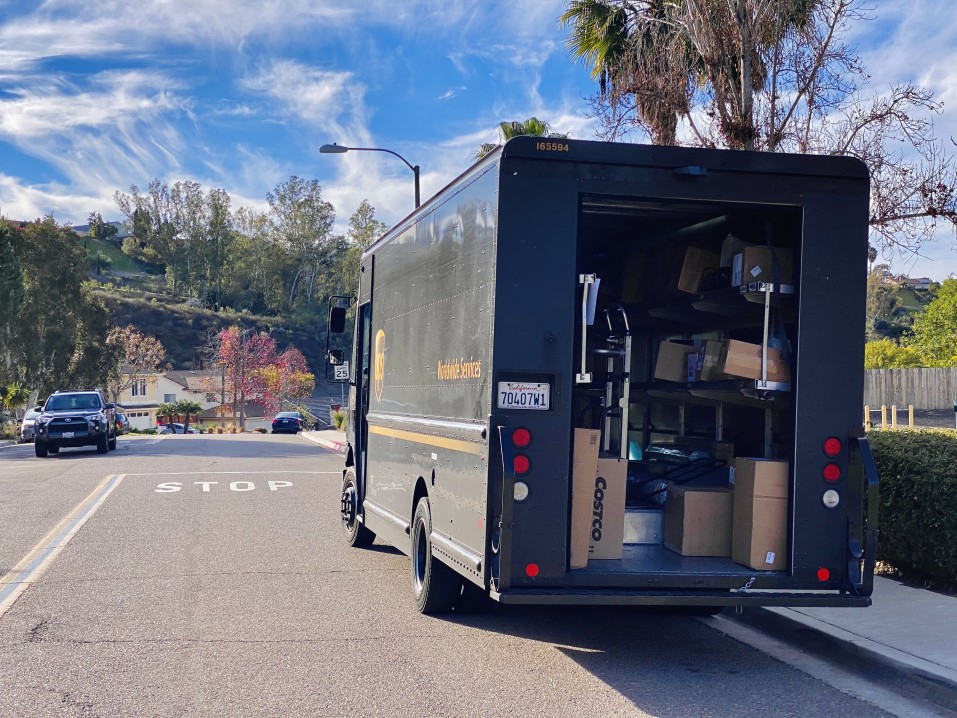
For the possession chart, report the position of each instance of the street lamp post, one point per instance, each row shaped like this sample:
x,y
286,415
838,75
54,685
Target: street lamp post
x,y
335,149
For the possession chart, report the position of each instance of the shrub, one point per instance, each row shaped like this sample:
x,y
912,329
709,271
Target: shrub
x,y
260,430
339,419
918,514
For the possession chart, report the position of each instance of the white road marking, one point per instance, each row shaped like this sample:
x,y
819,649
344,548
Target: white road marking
x,y
238,473
39,558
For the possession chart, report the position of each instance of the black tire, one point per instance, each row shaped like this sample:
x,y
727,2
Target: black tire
x,y
111,444
102,444
40,449
435,587
53,449
357,535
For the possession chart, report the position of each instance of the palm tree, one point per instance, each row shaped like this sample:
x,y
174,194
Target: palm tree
x,y
13,397
187,408
533,127
167,411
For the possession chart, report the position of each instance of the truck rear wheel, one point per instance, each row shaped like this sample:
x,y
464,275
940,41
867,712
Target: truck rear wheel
x,y
357,535
435,587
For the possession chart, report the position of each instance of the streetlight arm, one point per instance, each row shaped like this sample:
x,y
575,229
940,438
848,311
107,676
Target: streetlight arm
x,y
335,149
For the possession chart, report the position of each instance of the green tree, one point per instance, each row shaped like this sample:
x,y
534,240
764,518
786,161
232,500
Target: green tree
x,y
13,397
532,127
934,335
12,296
98,229
887,354
167,411
60,333
772,75
302,222
187,408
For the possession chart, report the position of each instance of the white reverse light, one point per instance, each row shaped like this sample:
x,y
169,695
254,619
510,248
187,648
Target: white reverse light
x,y
521,491
831,498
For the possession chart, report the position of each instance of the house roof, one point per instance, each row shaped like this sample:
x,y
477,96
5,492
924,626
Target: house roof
x,y
253,411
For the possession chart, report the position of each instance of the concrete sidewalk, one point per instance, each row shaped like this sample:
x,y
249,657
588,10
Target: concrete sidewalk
x,y
906,640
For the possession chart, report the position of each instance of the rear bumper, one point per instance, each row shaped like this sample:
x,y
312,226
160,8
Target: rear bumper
x,y
576,597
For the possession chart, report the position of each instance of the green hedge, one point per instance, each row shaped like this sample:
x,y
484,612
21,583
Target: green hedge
x,y
918,513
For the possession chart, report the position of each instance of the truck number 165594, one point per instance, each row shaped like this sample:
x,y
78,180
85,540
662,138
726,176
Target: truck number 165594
x,y
552,146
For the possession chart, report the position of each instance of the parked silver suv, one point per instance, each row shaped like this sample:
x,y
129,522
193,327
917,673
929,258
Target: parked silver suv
x,y
75,418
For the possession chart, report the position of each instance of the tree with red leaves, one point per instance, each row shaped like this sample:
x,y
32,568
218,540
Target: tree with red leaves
x,y
245,355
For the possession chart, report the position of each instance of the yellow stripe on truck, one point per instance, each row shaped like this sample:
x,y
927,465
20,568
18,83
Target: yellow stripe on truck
x,y
443,442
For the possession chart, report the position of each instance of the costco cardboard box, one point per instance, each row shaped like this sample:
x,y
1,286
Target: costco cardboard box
x,y
698,264
584,470
672,363
744,359
608,509
709,360
760,535
698,521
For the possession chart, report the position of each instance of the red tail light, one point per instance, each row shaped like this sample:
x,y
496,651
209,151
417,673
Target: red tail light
x,y
521,438
521,464
831,473
531,570
832,446
823,574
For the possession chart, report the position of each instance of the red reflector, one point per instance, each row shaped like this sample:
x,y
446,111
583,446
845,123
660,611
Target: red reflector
x,y
521,438
823,574
832,472
531,570
520,464
832,447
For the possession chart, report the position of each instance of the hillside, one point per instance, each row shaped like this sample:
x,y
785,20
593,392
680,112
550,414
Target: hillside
x,y
183,329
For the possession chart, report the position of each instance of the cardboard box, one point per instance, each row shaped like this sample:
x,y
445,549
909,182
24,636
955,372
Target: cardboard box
x,y
698,521
709,360
672,363
608,509
730,247
753,264
744,360
760,535
698,263
584,470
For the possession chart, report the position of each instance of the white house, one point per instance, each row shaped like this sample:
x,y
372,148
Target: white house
x,y
141,399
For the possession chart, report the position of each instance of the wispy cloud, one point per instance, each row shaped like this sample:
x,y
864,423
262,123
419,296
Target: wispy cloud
x,y
451,92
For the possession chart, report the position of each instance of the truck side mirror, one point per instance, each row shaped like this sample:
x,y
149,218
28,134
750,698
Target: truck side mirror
x,y
337,320
335,357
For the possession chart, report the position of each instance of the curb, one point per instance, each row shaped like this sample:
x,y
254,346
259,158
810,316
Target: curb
x,y
874,661
338,446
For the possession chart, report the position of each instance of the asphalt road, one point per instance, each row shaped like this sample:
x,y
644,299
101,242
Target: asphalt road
x,y
211,581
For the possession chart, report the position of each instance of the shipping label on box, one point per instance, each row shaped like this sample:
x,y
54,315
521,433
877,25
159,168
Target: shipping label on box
x,y
672,364
697,265
584,470
698,521
608,509
744,359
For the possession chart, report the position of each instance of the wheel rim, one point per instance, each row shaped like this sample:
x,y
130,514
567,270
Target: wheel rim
x,y
349,507
419,557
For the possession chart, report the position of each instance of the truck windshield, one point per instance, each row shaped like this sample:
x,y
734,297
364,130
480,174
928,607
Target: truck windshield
x,y
82,401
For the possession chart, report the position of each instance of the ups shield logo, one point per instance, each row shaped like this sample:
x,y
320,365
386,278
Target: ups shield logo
x,y
378,369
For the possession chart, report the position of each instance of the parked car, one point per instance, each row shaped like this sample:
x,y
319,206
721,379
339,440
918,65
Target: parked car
x,y
176,429
287,421
122,423
26,431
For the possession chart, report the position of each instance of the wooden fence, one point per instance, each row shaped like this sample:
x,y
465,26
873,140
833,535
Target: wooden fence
x,y
921,388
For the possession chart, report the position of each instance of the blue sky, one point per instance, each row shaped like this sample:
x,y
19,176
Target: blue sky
x,y
240,94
